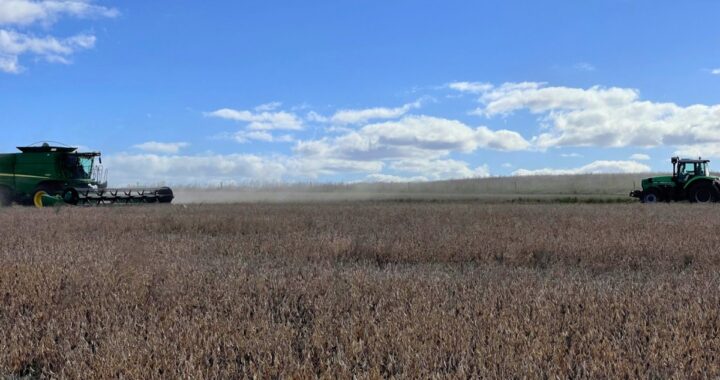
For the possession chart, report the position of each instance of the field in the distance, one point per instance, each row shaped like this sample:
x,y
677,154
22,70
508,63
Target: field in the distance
x,y
563,188
372,289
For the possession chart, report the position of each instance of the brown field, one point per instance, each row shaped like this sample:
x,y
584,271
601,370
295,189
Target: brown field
x,y
371,289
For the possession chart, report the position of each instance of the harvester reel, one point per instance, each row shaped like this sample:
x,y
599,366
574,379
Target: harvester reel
x,y
98,197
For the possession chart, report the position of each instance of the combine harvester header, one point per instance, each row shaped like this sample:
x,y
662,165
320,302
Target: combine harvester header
x,y
48,175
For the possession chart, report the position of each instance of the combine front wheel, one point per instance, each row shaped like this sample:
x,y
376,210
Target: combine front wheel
x,y
71,196
37,198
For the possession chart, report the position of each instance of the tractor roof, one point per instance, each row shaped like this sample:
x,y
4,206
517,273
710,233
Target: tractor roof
x,y
688,160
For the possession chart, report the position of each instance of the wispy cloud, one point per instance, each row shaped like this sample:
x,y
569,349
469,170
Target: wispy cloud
x,y
570,155
161,147
596,167
389,178
268,106
264,136
472,87
358,116
639,157
27,12
15,43
260,120
207,168
584,66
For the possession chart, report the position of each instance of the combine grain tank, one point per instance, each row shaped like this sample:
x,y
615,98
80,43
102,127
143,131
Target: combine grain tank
x,y
48,175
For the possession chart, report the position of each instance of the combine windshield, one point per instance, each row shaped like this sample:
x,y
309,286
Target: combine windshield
x,y
78,167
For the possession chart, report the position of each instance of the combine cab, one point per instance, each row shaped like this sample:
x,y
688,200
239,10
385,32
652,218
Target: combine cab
x,y
691,181
48,175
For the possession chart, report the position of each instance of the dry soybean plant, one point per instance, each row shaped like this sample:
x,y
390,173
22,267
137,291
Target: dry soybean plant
x,y
364,289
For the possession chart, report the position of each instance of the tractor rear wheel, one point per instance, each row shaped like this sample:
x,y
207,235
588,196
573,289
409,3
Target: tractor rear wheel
x,y
651,196
702,193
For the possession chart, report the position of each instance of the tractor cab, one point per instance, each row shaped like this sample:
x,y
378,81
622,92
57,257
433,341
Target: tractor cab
x,y
684,170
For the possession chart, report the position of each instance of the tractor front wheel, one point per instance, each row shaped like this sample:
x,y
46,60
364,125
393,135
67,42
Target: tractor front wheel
x,y
702,193
651,196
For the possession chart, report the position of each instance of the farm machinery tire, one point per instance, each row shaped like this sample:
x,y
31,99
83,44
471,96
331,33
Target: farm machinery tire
x,y
650,196
5,196
703,193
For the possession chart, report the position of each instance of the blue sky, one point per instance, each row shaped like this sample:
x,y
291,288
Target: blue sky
x,y
206,92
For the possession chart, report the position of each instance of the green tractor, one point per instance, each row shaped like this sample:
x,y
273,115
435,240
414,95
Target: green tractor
x,y
50,175
691,181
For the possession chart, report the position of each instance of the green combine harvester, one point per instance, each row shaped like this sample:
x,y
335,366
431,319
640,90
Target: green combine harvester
x,y
691,181
48,175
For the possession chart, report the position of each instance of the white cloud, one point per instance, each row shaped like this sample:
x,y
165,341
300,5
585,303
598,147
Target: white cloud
x,y
388,178
411,137
715,71
414,146
599,116
699,150
9,63
471,87
439,169
26,12
411,148
596,167
317,166
23,13
14,44
639,157
245,136
152,168
584,66
571,155
502,139
268,106
539,99
260,120
160,147
359,116
314,116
